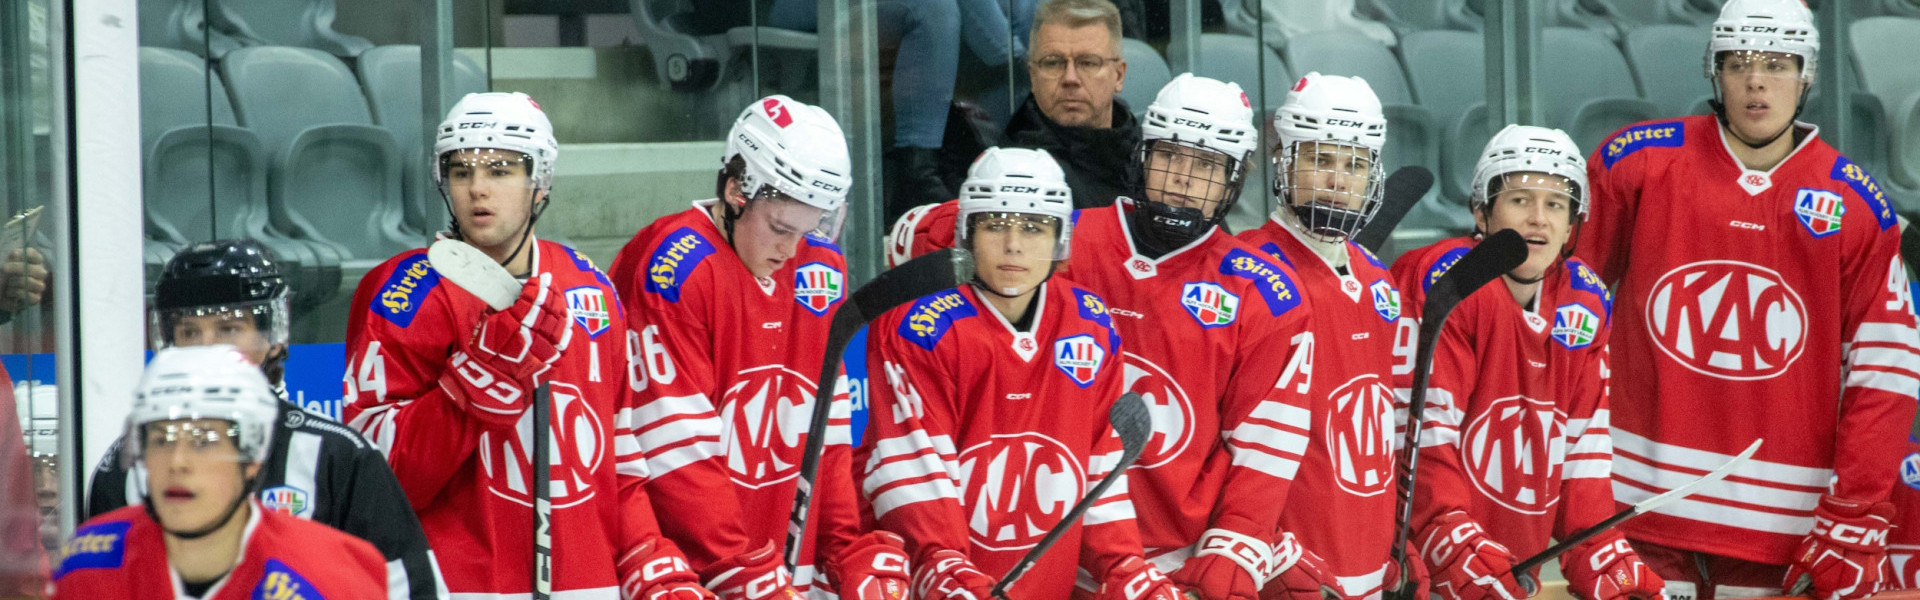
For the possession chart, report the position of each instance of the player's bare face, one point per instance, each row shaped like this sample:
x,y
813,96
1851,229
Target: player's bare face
x,y
1013,252
1331,174
1540,208
233,328
1187,177
194,471
1075,72
770,232
491,194
1761,91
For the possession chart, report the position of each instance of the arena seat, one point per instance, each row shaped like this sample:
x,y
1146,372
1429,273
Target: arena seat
x,y
1455,91
301,23
1667,61
1412,136
1146,74
1586,88
1894,77
391,78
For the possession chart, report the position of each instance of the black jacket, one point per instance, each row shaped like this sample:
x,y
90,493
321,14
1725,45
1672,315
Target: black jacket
x,y
323,471
1100,163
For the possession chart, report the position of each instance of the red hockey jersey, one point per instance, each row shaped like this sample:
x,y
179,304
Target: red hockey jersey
x,y
1903,543
982,438
731,363
1752,305
469,483
123,555
1349,457
1217,342
1515,431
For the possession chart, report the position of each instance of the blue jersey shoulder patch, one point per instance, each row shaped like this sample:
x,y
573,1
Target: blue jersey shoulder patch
x,y
281,582
1371,259
1440,268
1667,133
584,264
674,260
1272,283
1092,308
405,290
1845,171
1273,250
931,316
819,241
1583,278
102,546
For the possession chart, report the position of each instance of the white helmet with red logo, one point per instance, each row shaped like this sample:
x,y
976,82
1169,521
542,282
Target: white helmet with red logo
x,y
795,149
1344,112
499,121
1204,113
1765,26
1529,149
1017,180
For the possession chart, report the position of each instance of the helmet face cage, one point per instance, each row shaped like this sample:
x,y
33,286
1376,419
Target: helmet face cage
x,y
1333,189
269,317
1213,178
1018,223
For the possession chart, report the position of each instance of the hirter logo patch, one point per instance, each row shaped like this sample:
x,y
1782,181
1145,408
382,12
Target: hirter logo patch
x,y
817,286
1819,211
1211,305
588,307
1079,357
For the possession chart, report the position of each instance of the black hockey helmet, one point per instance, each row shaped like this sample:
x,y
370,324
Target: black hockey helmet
x,y
223,277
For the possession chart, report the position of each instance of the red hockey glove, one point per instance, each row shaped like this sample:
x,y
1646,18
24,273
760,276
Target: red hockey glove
x,y
873,567
1416,573
948,575
656,571
756,575
1843,553
1465,563
1306,579
1607,568
493,376
1229,565
1135,579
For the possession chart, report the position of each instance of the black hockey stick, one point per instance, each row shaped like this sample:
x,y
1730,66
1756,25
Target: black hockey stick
x,y
1132,423
1404,188
921,276
1488,260
1522,570
542,505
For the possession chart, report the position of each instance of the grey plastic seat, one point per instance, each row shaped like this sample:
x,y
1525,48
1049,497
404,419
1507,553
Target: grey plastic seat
x,y
207,179
1448,73
1894,77
1695,13
182,25
391,78
1146,74
302,23
1667,61
335,177
1233,58
686,60
1412,136
1587,89
1423,15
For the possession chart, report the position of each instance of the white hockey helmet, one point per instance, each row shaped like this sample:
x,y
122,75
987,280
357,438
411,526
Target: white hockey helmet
x,y
1204,113
1017,180
1329,109
204,382
1529,149
795,149
499,121
1765,26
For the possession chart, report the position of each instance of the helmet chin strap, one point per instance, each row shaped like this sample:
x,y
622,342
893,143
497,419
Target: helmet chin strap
x,y
1720,111
526,231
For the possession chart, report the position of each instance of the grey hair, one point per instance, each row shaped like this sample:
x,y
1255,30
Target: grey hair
x,y
1074,14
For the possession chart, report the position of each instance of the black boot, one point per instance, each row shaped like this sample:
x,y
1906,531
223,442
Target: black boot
x,y
915,174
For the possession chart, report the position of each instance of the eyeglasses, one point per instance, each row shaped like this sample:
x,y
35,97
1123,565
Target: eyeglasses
x,y
1054,66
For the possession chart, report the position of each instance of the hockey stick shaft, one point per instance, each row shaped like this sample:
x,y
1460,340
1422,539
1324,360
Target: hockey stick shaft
x,y
1403,189
1132,423
1522,571
919,277
542,504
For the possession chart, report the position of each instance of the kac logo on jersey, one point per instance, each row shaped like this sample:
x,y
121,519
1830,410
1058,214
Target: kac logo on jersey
x,y
1210,304
1167,403
102,546
1079,357
931,316
1440,268
1513,452
674,260
1574,326
1727,319
1359,435
579,441
1386,300
1910,471
286,500
281,582
817,286
1670,134
588,307
405,289
766,411
1845,171
1819,211
1017,486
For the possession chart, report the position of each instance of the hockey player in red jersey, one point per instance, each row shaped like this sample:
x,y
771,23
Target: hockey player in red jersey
x,y
1514,449
1760,295
732,299
442,384
1327,187
1902,568
989,408
202,421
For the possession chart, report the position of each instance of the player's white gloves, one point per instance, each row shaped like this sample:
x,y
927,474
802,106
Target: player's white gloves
x,y
494,374
1306,579
1466,564
1843,554
873,567
1607,568
756,575
1135,579
948,575
1228,564
656,571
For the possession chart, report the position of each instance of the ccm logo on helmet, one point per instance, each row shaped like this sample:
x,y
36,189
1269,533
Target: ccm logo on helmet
x,y
1543,150
1344,123
1758,29
1019,189
477,125
825,186
1192,123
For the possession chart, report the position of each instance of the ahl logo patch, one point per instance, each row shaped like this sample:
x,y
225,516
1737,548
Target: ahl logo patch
x,y
1820,211
817,286
1210,304
1910,471
1574,326
1079,357
1386,300
588,307
286,500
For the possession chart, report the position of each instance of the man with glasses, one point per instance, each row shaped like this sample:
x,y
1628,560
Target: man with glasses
x,y
1761,295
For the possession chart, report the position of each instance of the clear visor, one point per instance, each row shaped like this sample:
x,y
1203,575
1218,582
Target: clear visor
x,y
1555,195
1186,176
203,439
1340,183
826,226
1740,64
467,168
253,327
1023,230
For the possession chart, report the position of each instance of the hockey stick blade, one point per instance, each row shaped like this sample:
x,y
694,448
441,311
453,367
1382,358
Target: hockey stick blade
x,y
542,503
1404,188
926,275
475,272
1522,570
1497,254
1133,424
